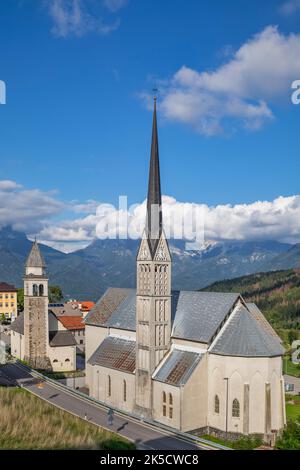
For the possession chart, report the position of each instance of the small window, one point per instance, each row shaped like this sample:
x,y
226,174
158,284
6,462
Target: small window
x,y
235,408
35,290
217,404
41,290
67,360
81,341
171,412
124,390
109,385
170,399
55,360
164,410
164,397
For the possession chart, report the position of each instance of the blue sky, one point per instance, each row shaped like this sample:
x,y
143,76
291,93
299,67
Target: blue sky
x,y
77,121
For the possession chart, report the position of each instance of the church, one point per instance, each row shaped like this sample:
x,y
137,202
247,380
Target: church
x,y
37,335
201,362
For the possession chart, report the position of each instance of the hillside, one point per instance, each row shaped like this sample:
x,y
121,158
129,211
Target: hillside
x,y
276,293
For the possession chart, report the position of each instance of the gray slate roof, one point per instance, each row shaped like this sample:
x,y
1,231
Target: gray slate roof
x,y
195,315
35,258
115,353
18,324
178,367
243,336
56,338
61,338
259,316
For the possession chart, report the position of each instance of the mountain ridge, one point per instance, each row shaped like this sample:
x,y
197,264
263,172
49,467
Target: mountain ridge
x,y
85,274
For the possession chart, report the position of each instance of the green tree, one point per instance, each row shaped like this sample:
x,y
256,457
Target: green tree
x,y
2,319
290,438
20,299
292,335
55,294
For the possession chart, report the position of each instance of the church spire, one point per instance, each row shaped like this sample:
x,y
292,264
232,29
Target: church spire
x,y
35,258
154,208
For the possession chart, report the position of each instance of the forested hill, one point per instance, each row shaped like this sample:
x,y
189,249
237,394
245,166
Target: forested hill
x,y
276,293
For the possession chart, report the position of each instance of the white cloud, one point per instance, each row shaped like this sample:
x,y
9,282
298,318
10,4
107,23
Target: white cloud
x,y
26,209
8,185
290,7
241,91
36,212
71,18
115,5
278,220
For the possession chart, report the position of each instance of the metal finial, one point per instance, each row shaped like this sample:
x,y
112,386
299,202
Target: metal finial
x,y
155,90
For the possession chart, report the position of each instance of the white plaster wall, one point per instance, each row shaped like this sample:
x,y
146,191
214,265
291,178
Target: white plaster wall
x,y
254,371
17,345
99,388
94,335
194,401
60,354
191,344
158,389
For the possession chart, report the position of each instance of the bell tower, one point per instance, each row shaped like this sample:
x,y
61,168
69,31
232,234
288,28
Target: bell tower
x,y
36,329
153,298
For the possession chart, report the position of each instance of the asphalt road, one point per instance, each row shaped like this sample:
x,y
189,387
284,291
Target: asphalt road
x,y
145,437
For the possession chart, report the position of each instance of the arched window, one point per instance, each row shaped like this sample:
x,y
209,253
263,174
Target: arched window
x,y
67,360
41,290
35,290
109,385
55,360
235,408
164,399
217,404
124,390
170,405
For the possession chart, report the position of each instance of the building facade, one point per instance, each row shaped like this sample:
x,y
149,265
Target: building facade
x,y
37,337
196,361
8,301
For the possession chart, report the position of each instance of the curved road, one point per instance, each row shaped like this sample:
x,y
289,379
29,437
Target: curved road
x,y
144,436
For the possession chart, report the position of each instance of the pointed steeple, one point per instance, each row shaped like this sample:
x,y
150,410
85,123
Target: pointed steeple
x,y
154,207
35,258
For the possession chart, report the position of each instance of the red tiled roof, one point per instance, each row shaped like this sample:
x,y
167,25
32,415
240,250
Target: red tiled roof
x,y
87,305
4,287
72,322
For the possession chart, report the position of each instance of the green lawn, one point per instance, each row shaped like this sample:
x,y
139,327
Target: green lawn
x,y
290,368
27,422
292,411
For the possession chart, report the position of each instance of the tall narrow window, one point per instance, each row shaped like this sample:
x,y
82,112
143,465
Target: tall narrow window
x,y
217,404
109,385
170,405
41,290
35,289
235,408
164,397
124,390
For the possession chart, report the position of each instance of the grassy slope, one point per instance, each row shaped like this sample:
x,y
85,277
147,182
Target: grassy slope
x,y
276,293
27,422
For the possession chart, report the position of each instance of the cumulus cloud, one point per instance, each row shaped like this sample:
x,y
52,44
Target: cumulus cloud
x,y
241,92
72,18
290,7
278,220
41,213
26,209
